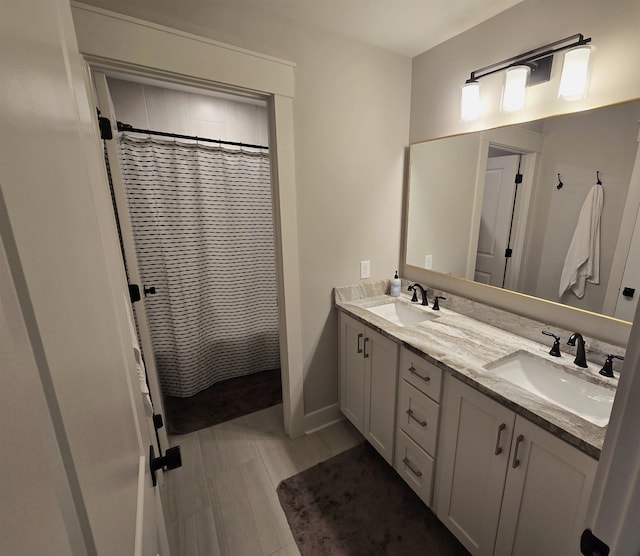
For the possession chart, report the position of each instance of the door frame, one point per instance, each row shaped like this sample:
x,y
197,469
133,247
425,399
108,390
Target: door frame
x,y
111,42
625,236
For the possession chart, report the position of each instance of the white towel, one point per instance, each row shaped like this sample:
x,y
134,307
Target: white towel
x,y
582,263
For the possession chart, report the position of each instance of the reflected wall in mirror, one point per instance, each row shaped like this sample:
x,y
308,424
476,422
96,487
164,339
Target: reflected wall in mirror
x,y
467,217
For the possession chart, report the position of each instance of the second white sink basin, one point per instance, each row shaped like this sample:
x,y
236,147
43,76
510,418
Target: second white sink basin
x,y
586,399
402,313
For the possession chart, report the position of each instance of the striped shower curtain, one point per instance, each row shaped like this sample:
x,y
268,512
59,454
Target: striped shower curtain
x,y
203,231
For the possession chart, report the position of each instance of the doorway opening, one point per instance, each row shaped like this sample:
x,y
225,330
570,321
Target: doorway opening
x,y
505,206
197,225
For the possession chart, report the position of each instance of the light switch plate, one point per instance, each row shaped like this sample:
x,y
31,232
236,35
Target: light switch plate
x,y
365,270
428,261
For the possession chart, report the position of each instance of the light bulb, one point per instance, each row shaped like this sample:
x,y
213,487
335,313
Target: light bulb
x,y
515,86
575,68
470,101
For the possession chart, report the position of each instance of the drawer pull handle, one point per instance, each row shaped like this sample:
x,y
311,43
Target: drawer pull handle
x,y
416,472
413,371
516,461
366,341
498,447
412,416
359,338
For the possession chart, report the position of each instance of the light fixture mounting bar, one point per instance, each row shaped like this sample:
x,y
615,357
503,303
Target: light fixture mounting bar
x,y
531,56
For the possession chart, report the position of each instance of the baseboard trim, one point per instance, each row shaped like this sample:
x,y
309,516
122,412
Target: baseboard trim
x,y
322,418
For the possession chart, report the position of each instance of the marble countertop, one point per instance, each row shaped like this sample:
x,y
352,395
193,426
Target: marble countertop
x,y
461,345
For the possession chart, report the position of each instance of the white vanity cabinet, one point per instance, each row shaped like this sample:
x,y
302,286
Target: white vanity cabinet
x,y
368,383
419,392
504,485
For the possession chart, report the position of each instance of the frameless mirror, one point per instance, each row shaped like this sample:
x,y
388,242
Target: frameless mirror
x,y
470,217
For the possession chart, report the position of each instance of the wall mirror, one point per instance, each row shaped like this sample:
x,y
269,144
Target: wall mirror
x,y
468,218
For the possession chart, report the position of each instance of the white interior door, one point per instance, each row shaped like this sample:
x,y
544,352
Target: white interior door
x,y
103,99
55,213
495,222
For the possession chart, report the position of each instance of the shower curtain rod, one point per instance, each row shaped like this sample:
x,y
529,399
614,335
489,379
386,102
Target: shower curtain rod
x,y
128,127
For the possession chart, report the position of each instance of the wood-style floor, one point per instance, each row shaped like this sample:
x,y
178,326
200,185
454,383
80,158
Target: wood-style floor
x,y
223,500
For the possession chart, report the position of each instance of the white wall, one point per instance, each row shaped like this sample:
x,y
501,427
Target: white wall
x,y
148,107
351,115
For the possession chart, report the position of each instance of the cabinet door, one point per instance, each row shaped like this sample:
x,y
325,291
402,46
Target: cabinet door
x,y
472,465
381,382
352,370
546,495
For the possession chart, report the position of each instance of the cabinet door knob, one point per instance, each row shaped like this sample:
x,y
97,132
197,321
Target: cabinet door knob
x,y
359,338
413,371
499,437
366,341
516,461
416,472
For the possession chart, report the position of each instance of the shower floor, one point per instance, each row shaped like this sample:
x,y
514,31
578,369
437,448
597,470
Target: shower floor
x,y
224,401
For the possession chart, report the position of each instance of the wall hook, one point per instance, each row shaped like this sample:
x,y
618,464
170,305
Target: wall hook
x,y
560,184
598,177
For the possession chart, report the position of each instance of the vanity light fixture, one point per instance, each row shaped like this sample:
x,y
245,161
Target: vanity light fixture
x,y
531,68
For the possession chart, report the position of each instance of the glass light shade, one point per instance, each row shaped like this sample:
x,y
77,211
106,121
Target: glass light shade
x,y
515,86
470,101
573,81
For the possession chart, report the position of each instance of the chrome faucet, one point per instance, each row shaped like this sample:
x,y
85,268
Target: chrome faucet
x,y
581,357
423,292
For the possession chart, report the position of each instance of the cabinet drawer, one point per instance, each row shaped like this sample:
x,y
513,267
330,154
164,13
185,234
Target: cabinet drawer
x,y
415,466
418,416
425,376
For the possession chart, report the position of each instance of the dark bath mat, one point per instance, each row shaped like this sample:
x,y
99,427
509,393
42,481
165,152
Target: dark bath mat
x,y
355,504
224,401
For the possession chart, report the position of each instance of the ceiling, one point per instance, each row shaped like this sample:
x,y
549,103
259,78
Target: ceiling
x,y
407,27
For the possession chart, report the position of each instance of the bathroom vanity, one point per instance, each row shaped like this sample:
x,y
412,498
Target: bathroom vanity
x,y
506,470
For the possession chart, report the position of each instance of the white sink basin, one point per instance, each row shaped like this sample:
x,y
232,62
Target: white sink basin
x,y
402,313
590,401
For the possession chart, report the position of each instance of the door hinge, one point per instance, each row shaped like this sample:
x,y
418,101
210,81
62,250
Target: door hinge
x,y
628,292
518,178
104,124
134,293
158,422
507,253
590,545
172,459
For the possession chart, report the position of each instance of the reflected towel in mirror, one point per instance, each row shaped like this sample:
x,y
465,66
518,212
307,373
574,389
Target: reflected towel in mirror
x,y
582,263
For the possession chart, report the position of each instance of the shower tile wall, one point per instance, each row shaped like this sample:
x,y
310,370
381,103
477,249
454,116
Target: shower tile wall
x,y
149,107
